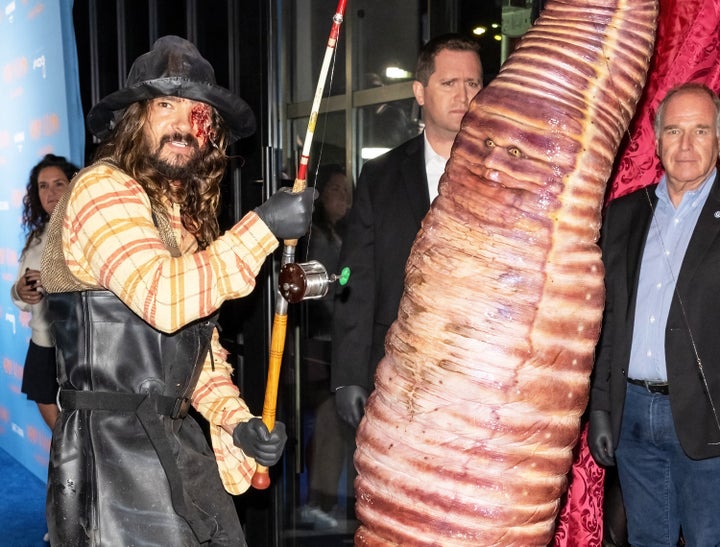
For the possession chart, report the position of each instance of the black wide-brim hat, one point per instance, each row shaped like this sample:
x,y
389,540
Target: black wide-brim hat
x,y
173,68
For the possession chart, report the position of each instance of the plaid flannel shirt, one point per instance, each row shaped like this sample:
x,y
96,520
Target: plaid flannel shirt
x,y
110,241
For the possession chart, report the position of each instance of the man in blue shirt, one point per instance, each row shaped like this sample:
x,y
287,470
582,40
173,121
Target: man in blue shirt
x,y
655,399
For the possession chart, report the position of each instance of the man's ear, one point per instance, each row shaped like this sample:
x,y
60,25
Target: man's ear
x,y
419,92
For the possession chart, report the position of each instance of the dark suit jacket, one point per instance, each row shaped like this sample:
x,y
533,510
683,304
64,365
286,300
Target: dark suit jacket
x,y
390,202
693,320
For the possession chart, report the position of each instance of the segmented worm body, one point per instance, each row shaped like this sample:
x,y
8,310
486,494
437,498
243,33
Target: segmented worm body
x,y
468,436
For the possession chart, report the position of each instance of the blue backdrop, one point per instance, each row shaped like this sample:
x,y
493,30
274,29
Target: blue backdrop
x,y
40,112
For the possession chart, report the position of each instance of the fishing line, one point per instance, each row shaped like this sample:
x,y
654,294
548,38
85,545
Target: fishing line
x,y
322,142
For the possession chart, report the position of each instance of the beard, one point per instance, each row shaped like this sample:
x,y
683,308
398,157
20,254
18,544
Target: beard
x,y
178,167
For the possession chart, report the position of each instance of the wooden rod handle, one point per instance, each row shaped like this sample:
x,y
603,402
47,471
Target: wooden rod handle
x,y
261,478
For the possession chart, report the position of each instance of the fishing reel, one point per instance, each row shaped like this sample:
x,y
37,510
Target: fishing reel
x,y
307,280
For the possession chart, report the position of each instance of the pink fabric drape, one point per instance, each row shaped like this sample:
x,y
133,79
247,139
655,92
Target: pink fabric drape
x,y
687,49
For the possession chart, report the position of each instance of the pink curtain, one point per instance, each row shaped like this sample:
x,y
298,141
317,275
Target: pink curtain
x,y
687,49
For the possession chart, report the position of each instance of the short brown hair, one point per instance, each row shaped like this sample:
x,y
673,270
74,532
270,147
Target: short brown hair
x,y
455,42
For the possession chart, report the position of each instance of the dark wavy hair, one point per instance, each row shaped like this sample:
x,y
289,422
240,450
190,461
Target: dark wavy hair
x,y
34,217
199,193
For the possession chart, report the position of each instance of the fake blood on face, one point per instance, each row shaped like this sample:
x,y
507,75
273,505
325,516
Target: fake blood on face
x,y
201,122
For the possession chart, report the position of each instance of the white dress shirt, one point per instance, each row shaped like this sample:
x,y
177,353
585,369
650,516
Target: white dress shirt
x,y
434,168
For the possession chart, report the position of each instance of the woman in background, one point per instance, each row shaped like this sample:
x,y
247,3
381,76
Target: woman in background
x,y
49,180
325,238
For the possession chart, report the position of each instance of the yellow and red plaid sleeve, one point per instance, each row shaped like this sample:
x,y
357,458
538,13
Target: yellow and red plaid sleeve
x,y
217,398
111,241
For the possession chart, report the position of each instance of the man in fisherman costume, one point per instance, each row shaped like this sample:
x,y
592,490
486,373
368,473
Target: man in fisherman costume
x,y
135,268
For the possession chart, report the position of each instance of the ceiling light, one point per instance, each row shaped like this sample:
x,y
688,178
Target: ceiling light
x,y
396,73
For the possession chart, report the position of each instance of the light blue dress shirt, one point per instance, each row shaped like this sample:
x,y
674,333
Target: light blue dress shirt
x,y
667,241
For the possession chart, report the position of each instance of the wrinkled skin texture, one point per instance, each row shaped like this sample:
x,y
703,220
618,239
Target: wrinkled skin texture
x,y
468,436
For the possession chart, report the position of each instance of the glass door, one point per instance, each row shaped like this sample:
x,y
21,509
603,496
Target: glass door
x,y
367,109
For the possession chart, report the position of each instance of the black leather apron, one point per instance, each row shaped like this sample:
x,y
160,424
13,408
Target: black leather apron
x,y
128,467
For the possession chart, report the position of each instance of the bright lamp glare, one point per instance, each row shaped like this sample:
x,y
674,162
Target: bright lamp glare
x,y
396,73
479,31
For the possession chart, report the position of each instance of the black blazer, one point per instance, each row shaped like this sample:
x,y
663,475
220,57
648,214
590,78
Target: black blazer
x,y
693,320
390,202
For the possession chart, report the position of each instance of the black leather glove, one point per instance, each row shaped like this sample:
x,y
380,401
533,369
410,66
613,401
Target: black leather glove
x,y
350,402
253,438
600,438
287,213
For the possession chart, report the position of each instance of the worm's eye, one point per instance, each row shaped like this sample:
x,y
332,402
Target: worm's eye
x,y
515,152
489,143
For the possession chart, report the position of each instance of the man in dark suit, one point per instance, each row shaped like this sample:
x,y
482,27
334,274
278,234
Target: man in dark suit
x,y
393,195
655,394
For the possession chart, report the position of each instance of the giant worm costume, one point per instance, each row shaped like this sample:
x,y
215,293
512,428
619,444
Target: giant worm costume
x,y
468,436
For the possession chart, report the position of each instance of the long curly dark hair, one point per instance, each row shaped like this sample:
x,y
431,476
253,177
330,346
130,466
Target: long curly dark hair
x,y
199,193
34,217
